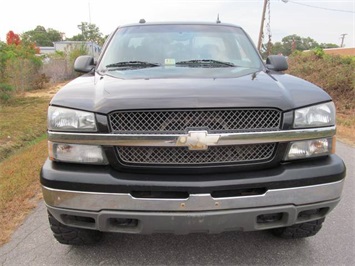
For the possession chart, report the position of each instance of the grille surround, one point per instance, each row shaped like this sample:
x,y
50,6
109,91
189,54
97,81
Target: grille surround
x,y
181,121
162,122
182,156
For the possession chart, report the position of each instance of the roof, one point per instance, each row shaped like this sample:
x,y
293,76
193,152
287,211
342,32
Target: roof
x,y
78,42
180,23
47,48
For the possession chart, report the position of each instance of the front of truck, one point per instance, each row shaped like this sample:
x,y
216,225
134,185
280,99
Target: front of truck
x,y
181,128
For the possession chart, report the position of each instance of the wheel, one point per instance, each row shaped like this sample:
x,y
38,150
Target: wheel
x,y
299,230
71,235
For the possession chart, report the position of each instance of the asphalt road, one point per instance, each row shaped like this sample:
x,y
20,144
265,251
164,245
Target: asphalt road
x,y
33,244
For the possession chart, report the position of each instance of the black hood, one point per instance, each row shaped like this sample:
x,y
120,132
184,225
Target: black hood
x,y
245,88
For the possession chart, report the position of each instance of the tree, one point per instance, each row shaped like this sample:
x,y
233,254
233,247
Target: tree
x,y
294,42
42,37
12,38
328,45
89,32
19,65
278,48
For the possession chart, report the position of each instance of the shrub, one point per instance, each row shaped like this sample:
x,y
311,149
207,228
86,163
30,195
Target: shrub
x,y
77,51
5,92
21,74
20,64
319,52
335,74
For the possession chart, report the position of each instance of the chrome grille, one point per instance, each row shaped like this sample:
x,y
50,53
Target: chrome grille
x,y
184,156
227,120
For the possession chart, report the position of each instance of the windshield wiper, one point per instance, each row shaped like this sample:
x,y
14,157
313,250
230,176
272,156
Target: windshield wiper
x,y
206,62
138,64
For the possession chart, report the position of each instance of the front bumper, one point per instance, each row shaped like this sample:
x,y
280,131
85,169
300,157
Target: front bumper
x,y
147,222
101,198
95,201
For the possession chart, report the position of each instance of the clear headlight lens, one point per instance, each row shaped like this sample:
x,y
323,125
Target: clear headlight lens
x,y
65,119
315,116
310,148
73,153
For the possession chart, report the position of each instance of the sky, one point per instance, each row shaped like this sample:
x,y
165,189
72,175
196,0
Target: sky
x,y
322,20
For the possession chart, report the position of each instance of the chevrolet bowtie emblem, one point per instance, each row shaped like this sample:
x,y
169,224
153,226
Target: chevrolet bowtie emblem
x,y
197,140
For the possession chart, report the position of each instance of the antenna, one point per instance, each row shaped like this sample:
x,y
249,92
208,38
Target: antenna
x,y
218,21
89,12
142,21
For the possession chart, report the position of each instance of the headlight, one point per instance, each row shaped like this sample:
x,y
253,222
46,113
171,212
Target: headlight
x,y
65,119
74,153
315,116
310,148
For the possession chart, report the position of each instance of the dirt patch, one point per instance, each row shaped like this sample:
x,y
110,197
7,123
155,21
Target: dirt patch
x,y
346,128
45,93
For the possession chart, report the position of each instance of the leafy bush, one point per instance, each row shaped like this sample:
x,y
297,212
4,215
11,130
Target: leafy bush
x,y
20,65
5,92
77,51
73,54
21,74
319,52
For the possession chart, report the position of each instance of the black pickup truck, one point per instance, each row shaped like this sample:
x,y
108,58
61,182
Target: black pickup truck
x,y
182,128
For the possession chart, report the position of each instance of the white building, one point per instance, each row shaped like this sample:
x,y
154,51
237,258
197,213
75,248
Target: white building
x,y
66,46
46,50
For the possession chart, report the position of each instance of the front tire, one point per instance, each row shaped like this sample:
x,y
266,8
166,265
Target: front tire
x,y
71,235
299,230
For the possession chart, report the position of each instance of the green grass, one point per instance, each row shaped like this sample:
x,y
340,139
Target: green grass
x,y
23,121
23,150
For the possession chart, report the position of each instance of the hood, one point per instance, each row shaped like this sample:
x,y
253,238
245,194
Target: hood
x,y
212,89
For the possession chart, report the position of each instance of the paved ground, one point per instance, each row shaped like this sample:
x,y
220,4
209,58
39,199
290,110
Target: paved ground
x,y
33,244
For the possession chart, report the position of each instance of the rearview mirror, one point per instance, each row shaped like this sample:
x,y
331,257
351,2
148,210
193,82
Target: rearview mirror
x,y
276,62
84,64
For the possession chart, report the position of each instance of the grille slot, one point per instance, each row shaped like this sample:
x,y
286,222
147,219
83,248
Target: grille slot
x,y
175,122
183,156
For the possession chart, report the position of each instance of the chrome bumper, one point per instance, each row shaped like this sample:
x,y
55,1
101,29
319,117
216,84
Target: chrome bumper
x,y
95,201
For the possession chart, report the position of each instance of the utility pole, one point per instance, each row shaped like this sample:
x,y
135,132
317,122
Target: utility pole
x,y
342,39
262,26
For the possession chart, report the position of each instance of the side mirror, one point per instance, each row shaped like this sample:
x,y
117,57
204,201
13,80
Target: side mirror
x,y
84,63
276,62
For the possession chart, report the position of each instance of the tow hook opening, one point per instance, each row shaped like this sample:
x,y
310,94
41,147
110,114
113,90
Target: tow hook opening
x,y
269,218
313,213
123,222
74,220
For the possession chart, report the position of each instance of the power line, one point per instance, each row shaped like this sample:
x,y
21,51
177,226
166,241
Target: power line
x,y
319,7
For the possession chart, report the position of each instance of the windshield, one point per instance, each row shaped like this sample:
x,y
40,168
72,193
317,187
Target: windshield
x,y
205,46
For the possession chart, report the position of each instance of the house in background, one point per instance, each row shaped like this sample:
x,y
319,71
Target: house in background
x,y
46,50
65,46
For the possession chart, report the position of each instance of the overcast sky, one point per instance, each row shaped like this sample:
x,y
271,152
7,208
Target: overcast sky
x,y
324,23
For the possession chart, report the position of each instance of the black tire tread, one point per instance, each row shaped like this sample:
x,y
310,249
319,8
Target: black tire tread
x,y
299,230
71,235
